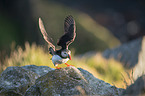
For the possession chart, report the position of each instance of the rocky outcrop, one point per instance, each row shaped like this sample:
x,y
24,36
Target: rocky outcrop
x,y
40,70
14,81
136,89
44,81
131,55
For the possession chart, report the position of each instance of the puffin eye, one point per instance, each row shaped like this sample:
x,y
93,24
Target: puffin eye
x,y
64,54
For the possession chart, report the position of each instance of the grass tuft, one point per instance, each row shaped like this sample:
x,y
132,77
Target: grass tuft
x,y
109,70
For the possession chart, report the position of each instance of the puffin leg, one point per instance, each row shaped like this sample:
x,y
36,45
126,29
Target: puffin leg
x,y
68,65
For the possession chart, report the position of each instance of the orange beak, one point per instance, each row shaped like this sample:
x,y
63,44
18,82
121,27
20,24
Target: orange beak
x,y
69,56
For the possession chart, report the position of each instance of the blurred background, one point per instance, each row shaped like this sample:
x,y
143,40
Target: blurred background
x,y
101,24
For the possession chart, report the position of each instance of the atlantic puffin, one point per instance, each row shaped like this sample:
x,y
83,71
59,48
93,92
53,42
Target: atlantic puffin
x,y
63,54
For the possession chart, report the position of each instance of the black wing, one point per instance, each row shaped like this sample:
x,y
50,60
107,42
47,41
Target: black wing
x,y
69,36
45,35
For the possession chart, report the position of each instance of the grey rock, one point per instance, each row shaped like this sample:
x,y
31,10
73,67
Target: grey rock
x,y
33,91
136,89
71,81
40,70
14,81
131,55
100,87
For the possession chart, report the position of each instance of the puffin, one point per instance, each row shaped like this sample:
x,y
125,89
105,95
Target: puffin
x,y
63,54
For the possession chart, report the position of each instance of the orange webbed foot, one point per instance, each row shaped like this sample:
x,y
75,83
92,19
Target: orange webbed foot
x,y
58,67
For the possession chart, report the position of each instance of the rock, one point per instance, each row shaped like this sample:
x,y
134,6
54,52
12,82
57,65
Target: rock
x,y
100,87
131,55
136,89
33,91
40,70
35,81
14,81
71,81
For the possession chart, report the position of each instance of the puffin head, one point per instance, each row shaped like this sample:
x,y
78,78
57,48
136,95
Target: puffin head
x,y
66,53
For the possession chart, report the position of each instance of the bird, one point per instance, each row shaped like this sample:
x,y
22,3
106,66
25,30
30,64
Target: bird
x,y
63,54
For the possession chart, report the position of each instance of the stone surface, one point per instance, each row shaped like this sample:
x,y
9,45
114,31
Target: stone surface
x,y
69,81
40,70
14,81
131,55
136,89
33,91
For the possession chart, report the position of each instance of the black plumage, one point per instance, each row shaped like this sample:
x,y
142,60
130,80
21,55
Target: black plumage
x,y
69,33
66,39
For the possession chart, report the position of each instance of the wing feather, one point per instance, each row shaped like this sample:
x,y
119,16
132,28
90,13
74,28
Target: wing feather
x,y
44,33
69,32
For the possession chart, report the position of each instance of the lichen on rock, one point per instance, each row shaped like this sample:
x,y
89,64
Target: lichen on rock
x,y
16,80
44,81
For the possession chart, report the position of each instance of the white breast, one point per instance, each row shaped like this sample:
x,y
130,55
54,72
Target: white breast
x,y
56,59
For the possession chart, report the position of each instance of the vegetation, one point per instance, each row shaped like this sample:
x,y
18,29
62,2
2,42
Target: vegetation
x,y
91,36
88,32
108,70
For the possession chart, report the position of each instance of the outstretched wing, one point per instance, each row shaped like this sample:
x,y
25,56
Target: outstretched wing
x,y
69,34
45,35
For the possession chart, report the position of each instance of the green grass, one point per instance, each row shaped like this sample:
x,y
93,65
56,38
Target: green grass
x,y
31,55
110,70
